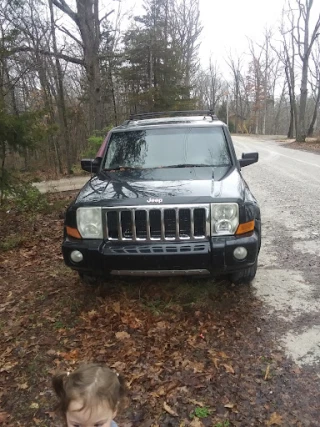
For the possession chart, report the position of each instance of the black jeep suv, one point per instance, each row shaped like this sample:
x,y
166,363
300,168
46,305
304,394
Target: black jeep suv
x,y
166,198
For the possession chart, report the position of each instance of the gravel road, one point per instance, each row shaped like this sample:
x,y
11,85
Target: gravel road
x,y
286,183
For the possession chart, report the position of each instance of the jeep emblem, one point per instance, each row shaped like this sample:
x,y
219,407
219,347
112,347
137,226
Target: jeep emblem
x,y
151,200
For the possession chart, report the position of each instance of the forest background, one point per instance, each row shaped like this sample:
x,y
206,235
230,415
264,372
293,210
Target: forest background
x,y
72,69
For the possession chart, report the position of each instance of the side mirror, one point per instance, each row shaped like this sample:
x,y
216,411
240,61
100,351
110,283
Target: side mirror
x,y
91,165
248,159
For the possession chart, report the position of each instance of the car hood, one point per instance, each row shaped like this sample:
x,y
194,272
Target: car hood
x,y
177,185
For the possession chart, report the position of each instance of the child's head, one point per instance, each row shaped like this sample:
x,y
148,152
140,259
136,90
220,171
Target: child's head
x,y
89,396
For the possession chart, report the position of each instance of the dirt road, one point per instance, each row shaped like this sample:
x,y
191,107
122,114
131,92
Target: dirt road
x,y
286,182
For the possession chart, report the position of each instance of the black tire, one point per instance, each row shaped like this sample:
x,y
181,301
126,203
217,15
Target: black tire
x,y
244,276
89,279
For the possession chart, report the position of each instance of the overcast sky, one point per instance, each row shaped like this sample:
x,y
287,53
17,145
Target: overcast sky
x,y
227,24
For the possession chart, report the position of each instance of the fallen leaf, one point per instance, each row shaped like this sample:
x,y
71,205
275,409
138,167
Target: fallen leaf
x,y
72,355
275,420
196,423
51,415
196,403
215,361
170,411
222,354
119,366
116,307
8,366
228,368
229,405
92,314
122,335
23,386
267,373
34,405
3,416
133,378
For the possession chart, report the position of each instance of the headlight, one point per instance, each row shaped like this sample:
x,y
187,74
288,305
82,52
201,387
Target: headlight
x,y
89,222
224,218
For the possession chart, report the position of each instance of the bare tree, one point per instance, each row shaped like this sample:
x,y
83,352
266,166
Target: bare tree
x,y
304,37
88,22
58,76
315,85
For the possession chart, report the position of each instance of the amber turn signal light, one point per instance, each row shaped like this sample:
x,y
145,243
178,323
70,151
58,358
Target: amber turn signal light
x,y
73,232
245,227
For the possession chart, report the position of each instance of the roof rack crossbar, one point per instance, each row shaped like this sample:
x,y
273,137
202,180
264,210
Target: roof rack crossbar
x,y
152,115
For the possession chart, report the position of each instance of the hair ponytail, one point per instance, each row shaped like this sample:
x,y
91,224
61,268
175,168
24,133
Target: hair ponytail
x,y
58,384
123,386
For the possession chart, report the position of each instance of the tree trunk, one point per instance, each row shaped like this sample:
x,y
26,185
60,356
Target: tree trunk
x,y
87,20
61,102
315,113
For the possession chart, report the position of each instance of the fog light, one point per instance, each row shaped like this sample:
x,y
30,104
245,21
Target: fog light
x,y
76,256
240,253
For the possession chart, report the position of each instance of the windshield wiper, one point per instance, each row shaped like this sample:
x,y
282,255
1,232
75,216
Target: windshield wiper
x,y
118,168
189,165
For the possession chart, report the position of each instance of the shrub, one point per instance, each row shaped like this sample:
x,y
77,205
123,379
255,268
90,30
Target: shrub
x,y
95,141
29,199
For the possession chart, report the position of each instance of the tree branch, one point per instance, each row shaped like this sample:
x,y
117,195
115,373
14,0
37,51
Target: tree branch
x,y
106,16
64,30
45,52
62,5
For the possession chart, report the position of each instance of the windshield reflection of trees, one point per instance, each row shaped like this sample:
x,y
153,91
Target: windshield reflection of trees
x,y
127,149
133,184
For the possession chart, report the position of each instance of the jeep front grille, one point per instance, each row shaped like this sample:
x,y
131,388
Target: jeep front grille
x,y
155,223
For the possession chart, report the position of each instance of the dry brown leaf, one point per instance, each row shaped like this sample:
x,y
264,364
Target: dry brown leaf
x,y
119,366
228,368
122,335
92,314
170,411
230,405
215,361
275,420
72,355
34,405
133,378
222,354
116,307
51,415
267,373
3,417
23,386
196,423
8,366
196,402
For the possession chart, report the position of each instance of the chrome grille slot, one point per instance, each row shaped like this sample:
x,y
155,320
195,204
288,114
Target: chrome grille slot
x,y
157,223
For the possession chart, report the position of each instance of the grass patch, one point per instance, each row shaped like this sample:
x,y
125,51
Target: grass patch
x,y
11,242
225,423
200,412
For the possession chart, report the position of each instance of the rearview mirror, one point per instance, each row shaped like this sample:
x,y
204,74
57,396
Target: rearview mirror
x,y
91,165
248,159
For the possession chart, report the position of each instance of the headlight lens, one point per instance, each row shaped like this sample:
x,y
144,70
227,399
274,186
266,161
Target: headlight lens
x,y
224,218
89,222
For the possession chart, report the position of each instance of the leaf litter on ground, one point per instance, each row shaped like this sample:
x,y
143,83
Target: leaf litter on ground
x,y
181,344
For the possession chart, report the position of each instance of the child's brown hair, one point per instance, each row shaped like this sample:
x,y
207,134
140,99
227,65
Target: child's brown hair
x,y
92,384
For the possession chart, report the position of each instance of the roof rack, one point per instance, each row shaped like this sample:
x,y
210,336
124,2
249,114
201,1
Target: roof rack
x,y
142,116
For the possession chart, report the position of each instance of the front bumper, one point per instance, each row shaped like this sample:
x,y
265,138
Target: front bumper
x,y
212,257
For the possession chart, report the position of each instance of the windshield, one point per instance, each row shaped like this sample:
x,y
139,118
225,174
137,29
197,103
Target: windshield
x,y
160,148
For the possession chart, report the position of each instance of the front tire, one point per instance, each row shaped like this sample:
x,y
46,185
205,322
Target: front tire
x,y
244,276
